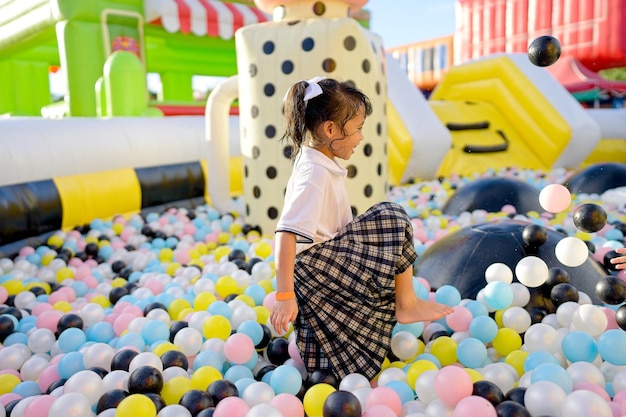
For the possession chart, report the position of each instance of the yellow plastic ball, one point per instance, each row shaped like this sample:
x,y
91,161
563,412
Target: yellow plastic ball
x,y
204,376
253,236
235,229
211,246
63,306
315,397
104,242
176,306
417,368
217,326
223,238
226,286
203,301
474,374
8,382
267,285
246,299
516,359
43,285
47,258
201,248
497,317
118,228
163,347
194,253
444,348
13,286
91,239
263,249
172,268
262,314
182,314
166,255
506,341
101,300
64,273
118,282
174,389
220,252
55,240
136,405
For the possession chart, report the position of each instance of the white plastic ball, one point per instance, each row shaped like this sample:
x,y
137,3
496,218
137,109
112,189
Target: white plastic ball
x,y
353,381
258,393
404,345
145,359
531,271
571,251
499,272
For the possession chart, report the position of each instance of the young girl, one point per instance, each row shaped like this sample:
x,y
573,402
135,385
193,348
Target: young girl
x,y
620,260
343,282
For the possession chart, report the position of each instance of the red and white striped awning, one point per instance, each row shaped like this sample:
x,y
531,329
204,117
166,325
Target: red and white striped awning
x,y
202,17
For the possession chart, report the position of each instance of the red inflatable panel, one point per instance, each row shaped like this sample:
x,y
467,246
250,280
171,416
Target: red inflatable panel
x,y
592,31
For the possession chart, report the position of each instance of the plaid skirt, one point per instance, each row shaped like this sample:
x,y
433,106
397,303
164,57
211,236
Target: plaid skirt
x,y
345,289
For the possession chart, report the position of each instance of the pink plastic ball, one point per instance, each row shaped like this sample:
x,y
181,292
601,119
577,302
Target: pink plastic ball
x,y
239,348
47,377
555,198
473,406
48,320
386,397
288,404
379,410
459,320
452,384
40,406
231,407
7,398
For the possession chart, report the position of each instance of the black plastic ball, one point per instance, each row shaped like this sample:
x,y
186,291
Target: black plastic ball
x,y
56,384
264,371
196,400
607,260
117,266
153,306
91,249
534,235
611,290
251,263
237,254
589,217
489,391
266,339
620,317
511,409
101,372
116,293
157,400
322,376
174,358
220,389
207,412
278,351
562,293
69,320
121,359
111,399
145,379
544,51
175,327
341,404
516,394
7,326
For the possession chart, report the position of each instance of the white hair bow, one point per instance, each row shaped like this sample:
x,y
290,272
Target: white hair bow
x,y
313,89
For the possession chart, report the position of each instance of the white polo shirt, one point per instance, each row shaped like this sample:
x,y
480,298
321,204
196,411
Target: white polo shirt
x,y
316,201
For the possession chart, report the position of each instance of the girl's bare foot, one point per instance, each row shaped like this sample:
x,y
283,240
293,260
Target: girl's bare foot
x,y
416,309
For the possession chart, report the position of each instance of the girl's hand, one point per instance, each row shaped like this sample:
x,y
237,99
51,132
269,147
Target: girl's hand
x,y
621,260
282,314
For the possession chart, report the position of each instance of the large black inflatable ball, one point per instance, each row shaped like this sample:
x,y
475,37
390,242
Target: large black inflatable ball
x,y
544,51
461,258
589,217
597,178
342,404
491,194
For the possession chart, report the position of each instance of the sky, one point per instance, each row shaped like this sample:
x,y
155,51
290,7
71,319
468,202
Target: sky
x,y
400,22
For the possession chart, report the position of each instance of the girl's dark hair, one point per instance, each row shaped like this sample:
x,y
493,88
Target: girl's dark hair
x,y
339,102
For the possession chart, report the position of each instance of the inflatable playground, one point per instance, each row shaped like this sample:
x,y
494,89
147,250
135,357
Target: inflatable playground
x,y
136,241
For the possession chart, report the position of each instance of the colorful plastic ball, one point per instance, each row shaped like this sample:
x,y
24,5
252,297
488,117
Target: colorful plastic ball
x,y
483,328
497,295
77,405
278,351
122,358
579,346
353,381
552,373
136,405
231,407
620,317
145,379
315,397
589,217
174,358
498,271
489,391
544,51
564,292
196,400
531,271
452,384
571,251
404,345
342,404
203,377
541,336
174,389
534,235
448,295
111,399
473,406
555,198
217,326
258,393
69,320
222,388
288,404
583,403
511,409
286,379
611,345
591,319
70,364
471,352
239,348
506,341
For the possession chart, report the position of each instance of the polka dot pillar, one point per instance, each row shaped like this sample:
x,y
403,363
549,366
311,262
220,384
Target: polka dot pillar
x,y
306,39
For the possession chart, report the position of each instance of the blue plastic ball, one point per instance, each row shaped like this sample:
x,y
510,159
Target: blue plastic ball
x,y
471,352
483,328
579,347
285,379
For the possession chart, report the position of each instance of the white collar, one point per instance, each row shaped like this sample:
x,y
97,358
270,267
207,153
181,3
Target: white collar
x,y
311,155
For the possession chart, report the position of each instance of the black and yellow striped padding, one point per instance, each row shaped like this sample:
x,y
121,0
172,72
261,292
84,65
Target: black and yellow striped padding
x,y
36,208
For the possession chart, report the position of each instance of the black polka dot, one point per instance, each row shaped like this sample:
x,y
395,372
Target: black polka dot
x,y
256,191
268,47
287,151
367,191
373,45
351,171
351,83
377,87
254,111
245,171
329,65
349,43
272,213
308,44
379,169
319,8
366,66
367,149
379,128
256,152
269,89
247,209
287,67
355,212
252,70
271,172
293,22
270,131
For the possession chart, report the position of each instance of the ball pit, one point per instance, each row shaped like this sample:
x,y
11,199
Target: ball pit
x,y
167,315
